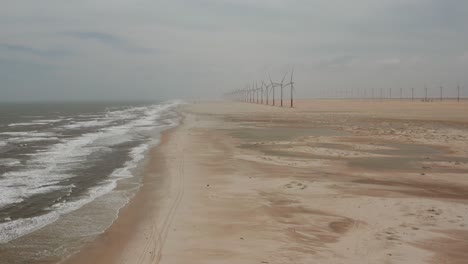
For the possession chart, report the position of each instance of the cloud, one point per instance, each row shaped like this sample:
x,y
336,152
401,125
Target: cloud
x,y
108,40
464,57
340,61
246,4
49,53
388,62
183,48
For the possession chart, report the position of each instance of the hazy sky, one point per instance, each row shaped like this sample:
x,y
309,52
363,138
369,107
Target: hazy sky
x,y
153,49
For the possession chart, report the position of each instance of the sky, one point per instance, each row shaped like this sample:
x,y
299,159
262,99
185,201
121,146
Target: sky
x,y
52,50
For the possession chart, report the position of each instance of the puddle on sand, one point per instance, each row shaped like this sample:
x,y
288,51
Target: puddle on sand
x,y
399,156
283,133
405,149
384,163
408,157
403,156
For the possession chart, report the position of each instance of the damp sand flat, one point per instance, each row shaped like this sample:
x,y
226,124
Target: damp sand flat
x,y
328,182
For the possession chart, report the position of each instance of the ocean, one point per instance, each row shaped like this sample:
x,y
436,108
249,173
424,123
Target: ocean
x,y
67,168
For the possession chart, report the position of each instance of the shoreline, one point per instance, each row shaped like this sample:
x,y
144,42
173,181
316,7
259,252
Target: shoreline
x,y
133,219
103,163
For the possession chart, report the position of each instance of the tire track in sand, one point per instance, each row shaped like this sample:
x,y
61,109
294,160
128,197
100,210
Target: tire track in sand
x,y
152,252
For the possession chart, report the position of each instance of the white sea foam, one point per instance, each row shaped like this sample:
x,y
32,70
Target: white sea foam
x,y
46,167
19,227
28,134
26,124
137,155
30,139
36,122
48,121
9,162
9,197
107,118
85,124
113,139
53,165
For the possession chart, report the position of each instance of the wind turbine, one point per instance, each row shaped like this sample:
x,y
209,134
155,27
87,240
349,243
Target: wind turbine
x,y
259,94
256,88
458,94
282,86
261,88
425,89
246,94
291,84
441,92
273,85
267,92
253,92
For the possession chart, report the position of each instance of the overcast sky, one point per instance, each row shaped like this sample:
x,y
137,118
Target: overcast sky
x,y
153,49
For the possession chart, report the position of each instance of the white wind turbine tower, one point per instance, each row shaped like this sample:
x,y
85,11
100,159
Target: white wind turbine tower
x,y
441,88
247,93
273,85
291,84
252,93
425,90
257,89
282,86
252,90
261,89
244,92
267,92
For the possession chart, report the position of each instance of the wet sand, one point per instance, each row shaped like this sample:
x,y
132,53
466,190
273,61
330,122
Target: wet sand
x,y
325,182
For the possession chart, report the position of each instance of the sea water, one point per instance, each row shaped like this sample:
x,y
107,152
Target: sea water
x,y
60,164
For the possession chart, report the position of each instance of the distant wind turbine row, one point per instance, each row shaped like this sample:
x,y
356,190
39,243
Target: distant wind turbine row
x,y
370,93
261,94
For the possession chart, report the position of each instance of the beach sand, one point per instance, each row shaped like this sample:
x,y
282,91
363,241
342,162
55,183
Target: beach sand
x,y
325,182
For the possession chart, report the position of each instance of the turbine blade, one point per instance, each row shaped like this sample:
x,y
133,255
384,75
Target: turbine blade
x,y
270,78
292,74
282,81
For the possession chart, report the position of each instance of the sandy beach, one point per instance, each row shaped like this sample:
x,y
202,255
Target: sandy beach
x,y
325,182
